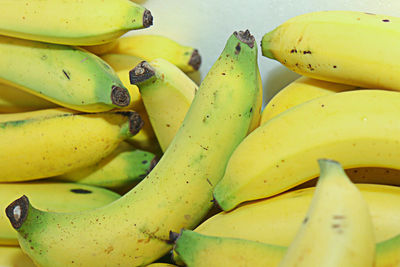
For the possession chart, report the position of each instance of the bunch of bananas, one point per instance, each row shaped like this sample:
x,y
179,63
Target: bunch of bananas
x,y
113,156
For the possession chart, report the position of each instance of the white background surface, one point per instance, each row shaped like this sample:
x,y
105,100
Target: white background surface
x,y
207,24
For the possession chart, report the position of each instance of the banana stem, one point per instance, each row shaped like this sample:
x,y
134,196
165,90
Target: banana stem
x,y
142,72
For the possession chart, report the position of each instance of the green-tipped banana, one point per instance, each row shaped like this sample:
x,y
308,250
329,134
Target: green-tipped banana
x,y
167,94
50,196
125,166
50,142
65,75
358,128
86,22
134,230
209,251
337,229
14,257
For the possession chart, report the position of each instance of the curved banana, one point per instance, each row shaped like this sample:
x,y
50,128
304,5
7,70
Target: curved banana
x,y
87,22
150,47
122,64
337,229
49,142
14,257
211,251
167,94
50,196
65,75
125,166
346,47
357,128
14,100
134,230
299,91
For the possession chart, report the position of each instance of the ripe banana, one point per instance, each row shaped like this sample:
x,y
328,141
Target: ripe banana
x,y
65,75
15,100
72,22
346,47
167,94
14,257
50,142
357,128
134,230
122,64
337,229
209,251
150,47
125,166
299,91
50,196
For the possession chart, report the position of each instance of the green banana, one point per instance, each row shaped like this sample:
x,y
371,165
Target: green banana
x,y
357,128
125,166
134,230
65,75
210,251
167,94
50,196
86,22
50,142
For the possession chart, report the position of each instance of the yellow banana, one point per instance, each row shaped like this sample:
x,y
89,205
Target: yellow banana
x,y
346,47
15,100
125,166
167,94
72,22
14,257
49,142
159,264
299,91
65,75
150,47
210,251
134,230
357,128
122,64
51,196
337,229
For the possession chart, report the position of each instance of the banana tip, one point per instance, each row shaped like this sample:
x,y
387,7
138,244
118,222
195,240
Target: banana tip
x,y
120,96
195,60
135,123
17,211
142,72
147,19
245,37
173,237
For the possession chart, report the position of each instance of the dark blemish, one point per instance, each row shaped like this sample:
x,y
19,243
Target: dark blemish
x,y
80,191
203,147
300,39
223,73
334,66
335,225
369,13
297,64
44,57
168,125
144,161
307,52
310,67
305,220
293,51
277,166
322,105
208,181
251,109
237,49
187,182
265,181
66,75
386,20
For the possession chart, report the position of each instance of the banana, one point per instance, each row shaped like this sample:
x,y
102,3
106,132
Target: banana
x,y
159,264
167,94
122,64
14,257
65,75
346,47
299,91
150,47
50,142
357,128
134,230
50,196
15,100
87,22
125,166
209,251
337,229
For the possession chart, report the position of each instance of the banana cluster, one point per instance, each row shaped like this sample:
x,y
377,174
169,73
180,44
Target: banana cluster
x,y
113,156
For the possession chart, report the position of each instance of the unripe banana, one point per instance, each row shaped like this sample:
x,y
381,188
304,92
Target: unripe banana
x,y
65,75
167,94
150,47
134,230
50,196
346,47
86,22
357,128
51,142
